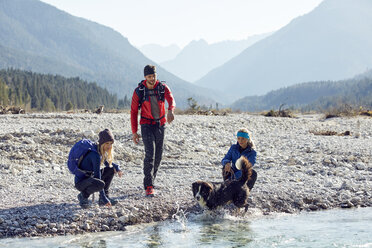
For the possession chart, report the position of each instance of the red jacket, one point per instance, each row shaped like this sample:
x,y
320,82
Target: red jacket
x,y
146,108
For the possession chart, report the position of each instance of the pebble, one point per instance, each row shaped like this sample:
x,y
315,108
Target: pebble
x,y
360,166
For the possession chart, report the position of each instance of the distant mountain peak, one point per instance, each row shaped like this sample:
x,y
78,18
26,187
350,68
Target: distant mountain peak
x,y
198,57
332,42
38,37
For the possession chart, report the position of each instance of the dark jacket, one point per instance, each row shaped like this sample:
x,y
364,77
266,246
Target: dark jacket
x,y
91,163
234,154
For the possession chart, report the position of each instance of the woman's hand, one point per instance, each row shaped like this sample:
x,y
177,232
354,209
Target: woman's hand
x,y
120,173
227,168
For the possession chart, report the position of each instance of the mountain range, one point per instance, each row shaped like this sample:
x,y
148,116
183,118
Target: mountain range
x,y
39,37
160,53
332,42
198,57
313,96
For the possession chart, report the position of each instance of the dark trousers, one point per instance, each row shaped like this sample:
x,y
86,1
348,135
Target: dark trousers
x,y
250,183
90,185
153,137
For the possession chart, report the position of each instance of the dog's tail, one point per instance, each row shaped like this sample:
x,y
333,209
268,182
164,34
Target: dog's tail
x,y
245,166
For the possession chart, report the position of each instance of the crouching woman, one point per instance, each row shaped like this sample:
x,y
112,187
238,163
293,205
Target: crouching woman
x,y
244,147
94,179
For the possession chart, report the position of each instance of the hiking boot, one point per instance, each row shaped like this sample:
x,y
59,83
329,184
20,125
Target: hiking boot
x,y
83,202
101,202
150,191
113,201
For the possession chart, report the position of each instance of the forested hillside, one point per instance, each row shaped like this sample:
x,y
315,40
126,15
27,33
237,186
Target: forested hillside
x,y
41,38
46,92
315,96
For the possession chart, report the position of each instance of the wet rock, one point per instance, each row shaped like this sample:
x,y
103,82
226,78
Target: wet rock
x,y
124,219
86,227
105,228
313,207
40,226
346,204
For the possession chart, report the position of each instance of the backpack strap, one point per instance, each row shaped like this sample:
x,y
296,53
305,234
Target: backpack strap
x,y
154,120
87,173
161,90
82,158
141,93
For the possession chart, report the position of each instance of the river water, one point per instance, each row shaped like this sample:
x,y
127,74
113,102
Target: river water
x,y
331,228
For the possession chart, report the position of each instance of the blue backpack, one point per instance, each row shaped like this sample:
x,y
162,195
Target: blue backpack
x,y
76,155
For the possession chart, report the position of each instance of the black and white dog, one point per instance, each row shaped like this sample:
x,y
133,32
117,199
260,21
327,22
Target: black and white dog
x,y
214,195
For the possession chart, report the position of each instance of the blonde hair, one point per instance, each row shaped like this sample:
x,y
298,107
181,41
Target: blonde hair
x,y
106,156
250,140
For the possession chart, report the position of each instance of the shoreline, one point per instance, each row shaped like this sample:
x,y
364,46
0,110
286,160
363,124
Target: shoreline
x,y
297,170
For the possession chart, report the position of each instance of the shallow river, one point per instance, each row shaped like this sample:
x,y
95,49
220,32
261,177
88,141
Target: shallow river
x,y
332,228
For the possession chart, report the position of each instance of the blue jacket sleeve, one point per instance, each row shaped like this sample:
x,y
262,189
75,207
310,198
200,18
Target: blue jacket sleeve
x,y
228,157
116,166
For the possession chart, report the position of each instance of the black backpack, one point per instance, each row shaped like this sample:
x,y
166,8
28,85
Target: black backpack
x,y
142,92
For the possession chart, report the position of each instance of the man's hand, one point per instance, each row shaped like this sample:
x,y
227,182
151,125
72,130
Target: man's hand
x,y
170,116
108,204
135,138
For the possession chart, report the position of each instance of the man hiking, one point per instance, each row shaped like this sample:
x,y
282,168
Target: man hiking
x,y
149,97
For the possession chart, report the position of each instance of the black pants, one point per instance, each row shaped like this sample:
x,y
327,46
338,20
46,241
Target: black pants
x,y
90,185
250,182
153,137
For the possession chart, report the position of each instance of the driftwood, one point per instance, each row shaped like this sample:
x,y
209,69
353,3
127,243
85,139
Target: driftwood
x,y
367,113
99,110
11,110
280,113
205,112
330,133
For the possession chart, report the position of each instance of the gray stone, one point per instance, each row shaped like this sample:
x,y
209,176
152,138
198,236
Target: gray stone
x,y
105,227
124,218
346,204
75,217
40,226
86,226
360,166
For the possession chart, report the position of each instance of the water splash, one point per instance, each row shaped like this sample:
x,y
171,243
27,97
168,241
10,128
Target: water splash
x,y
180,217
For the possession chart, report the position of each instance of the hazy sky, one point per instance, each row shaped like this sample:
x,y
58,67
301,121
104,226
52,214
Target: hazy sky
x,y
178,22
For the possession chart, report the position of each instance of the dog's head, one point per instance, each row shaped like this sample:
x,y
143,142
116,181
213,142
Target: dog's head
x,y
202,191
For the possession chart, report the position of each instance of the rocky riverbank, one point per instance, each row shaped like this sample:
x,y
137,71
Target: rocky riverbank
x,y
298,170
